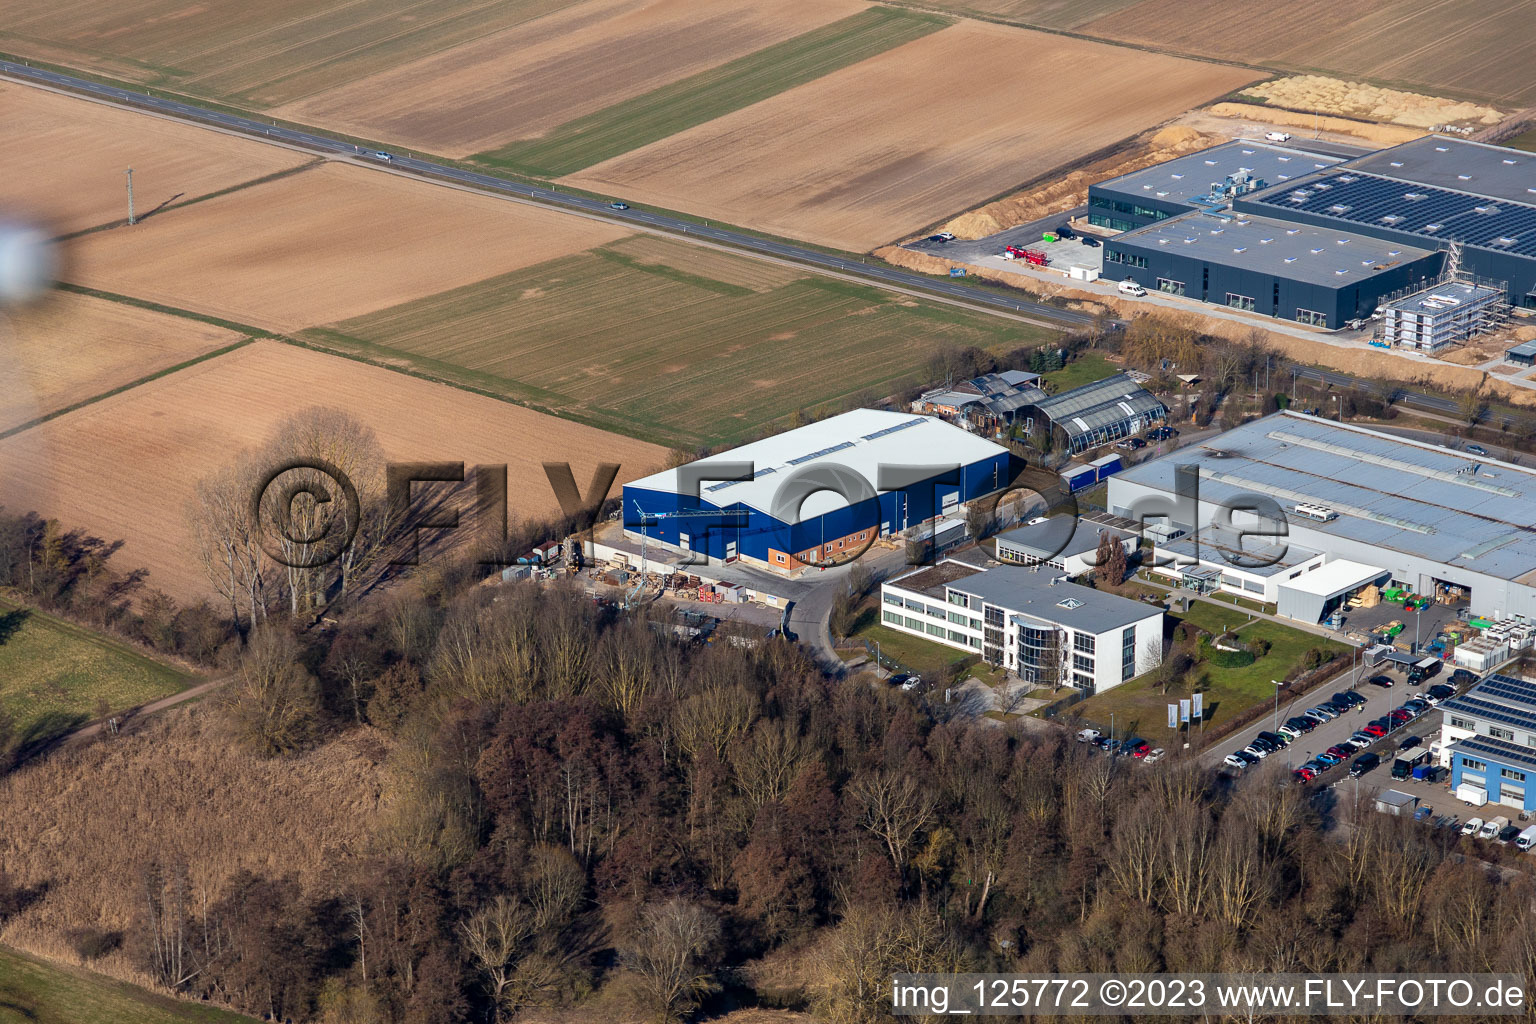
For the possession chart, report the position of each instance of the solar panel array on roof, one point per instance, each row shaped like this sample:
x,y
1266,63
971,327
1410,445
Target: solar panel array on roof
x,y
891,430
1491,712
1497,750
1420,209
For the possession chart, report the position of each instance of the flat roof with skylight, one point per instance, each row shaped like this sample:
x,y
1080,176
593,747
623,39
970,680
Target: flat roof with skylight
x,y
1185,178
1297,252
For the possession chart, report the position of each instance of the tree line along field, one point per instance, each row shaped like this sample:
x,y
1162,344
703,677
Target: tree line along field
x,y
55,675
657,339
42,993
521,82
663,112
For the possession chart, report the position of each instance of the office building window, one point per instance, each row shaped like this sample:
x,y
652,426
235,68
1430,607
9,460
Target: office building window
x,y
890,598
1510,773
1083,642
934,630
1312,317
914,624
1501,734
1237,301
1471,765
892,618
1082,663
1171,287
1127,653
1458,723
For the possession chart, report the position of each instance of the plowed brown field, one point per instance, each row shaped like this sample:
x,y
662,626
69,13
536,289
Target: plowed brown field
x,y
126,467
76,346
325,244
521,82
64,159
878,150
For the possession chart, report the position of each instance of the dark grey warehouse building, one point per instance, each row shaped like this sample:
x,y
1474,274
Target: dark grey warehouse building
x,y
1427,193
1318,276
1202,180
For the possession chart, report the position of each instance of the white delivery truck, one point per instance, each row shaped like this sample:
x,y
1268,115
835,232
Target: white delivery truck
x,y
1278,136
1492,828
1129,287
1527,839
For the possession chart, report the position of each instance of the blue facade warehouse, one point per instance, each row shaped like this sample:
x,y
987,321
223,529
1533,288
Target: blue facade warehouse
x,y
1488,739
813,494
1321,239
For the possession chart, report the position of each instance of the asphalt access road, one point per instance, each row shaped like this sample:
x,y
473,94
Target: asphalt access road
x,y
490,184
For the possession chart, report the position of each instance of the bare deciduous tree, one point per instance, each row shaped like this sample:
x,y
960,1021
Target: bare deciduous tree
x,y
668,955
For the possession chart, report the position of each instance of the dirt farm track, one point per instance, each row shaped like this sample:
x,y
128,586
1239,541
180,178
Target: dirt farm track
x,y
875,150
126,467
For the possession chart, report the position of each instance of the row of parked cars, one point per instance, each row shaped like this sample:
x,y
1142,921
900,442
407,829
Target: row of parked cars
x,y
1131,746
1268,742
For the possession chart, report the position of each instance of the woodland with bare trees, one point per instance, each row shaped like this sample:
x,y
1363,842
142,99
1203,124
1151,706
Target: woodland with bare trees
x,y
449,802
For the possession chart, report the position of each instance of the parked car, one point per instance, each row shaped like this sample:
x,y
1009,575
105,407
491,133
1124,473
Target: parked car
x,y
1364,763
1472,826
1431,699
1064,231
1088,735
1275,738
1384,682
1328,760
1254,750
1136,747
1442,691
1239,760
1320,714
1527,838
1409,743
1304,774
1374,731
1349,698
1155,756
1461,677
1302,722
1291,730
1341,750
1090,241
1508,834
1362,739
1491,827
945,236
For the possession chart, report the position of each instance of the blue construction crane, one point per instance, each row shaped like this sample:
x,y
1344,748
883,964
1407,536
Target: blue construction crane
x,y
651,518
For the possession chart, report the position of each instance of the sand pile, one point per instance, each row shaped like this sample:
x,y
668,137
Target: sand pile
x,y
1356,99
1071,189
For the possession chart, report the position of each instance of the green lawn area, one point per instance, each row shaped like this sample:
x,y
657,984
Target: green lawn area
x,y
710,94
1085,369
53,674
1141,708
660,340
34,992
1525,141
911,651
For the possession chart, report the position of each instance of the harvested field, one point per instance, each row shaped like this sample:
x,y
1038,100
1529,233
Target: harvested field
x,y
333,242
711,94
654,338
69,171
875,152
253,54
522,82
1480,51
1356,99
1056,14
126,467
75,347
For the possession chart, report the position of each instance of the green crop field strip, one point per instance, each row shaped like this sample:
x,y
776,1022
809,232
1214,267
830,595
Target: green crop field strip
x,y
54,675
710,94
665,342
35,992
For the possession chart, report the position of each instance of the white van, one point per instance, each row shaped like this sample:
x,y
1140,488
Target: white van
x,y
1278,136
1525,840
1129,287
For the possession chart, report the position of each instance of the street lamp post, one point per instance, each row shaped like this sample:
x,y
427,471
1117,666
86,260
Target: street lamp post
x,y
1277,704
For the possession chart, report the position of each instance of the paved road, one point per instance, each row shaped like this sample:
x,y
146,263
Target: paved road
x,y
876,272
1401,396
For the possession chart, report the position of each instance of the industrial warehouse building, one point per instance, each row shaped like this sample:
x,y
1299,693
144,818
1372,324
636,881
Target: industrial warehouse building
x,y
818,492
1488,740
1200,181
1099,413
1380,508
1322,240
1044,632
1428,193
1067,543
1260,264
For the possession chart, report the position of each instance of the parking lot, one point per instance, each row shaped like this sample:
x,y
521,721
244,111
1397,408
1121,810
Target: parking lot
x,y
987,251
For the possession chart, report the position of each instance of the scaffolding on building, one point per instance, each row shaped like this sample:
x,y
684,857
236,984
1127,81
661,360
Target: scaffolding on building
x,y
1460,306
